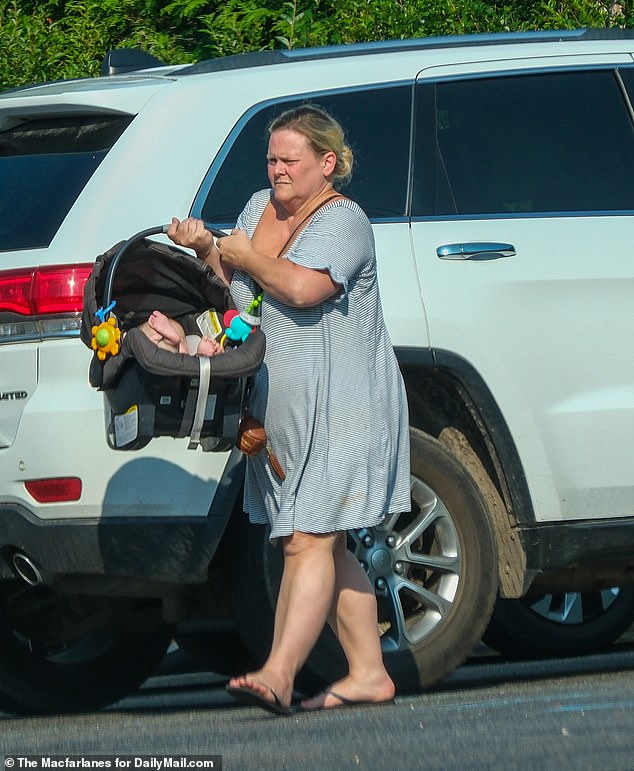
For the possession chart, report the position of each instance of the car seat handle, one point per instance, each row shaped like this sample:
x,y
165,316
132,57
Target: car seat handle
x,y
107,295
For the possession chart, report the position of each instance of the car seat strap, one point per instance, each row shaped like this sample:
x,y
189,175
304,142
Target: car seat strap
x,y
201,401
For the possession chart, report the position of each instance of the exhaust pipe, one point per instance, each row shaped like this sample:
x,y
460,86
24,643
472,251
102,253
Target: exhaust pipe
x,y
27,569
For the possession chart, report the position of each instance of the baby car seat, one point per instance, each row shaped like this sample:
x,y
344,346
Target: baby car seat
x,y
149,391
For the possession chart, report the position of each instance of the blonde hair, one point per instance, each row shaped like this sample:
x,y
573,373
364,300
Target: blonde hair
x,y
323,132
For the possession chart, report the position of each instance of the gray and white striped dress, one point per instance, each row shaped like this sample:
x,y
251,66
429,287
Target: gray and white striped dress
x,y
329,392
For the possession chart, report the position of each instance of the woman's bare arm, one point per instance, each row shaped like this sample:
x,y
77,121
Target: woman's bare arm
x,y
293,284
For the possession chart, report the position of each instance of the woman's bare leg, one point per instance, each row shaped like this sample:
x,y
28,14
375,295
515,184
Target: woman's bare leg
x,y
354,621
303,605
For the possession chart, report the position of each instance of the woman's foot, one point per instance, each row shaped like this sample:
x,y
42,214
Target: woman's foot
x,y
348,692
161,324
253,688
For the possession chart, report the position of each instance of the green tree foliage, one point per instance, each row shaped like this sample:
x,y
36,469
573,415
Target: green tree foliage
x,y
54,39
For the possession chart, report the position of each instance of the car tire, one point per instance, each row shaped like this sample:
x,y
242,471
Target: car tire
x,y
73,653
434,572
220,650
565,624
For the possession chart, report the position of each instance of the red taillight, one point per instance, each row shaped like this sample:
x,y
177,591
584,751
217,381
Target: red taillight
x,y
15,290
55,490
56,289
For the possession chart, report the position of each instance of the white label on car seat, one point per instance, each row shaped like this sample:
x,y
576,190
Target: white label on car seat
x,y
126,427
209,323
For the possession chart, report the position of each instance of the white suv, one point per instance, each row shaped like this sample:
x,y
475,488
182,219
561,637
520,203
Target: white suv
x,y
498,173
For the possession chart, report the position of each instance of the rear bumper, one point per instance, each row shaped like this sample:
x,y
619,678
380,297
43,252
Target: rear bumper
x,y
166,550
120,551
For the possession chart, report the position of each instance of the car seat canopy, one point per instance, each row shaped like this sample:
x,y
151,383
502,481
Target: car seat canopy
x,y
152,276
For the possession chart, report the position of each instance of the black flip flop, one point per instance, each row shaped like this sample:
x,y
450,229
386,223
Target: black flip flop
x,y
346,702
246,695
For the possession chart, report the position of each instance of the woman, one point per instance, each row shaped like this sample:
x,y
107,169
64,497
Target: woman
x,y
330,395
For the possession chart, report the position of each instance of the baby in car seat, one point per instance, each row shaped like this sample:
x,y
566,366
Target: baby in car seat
x,y
167,333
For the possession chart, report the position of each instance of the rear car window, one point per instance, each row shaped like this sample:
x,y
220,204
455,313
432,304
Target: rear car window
x,y
544,142
377,125
45,163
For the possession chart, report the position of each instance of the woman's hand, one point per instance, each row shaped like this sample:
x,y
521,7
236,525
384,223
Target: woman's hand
x,y
191,233
236,250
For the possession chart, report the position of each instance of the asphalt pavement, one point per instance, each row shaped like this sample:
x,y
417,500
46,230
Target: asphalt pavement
x,y
557,714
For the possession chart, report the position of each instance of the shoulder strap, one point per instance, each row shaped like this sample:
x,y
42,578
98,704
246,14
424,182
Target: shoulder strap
x,y
335,196
300,225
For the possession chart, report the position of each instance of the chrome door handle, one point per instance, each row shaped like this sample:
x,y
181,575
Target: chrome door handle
x,y
476,250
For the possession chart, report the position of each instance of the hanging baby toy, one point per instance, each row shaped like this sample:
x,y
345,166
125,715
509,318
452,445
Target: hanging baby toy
x,y
106,335
240,325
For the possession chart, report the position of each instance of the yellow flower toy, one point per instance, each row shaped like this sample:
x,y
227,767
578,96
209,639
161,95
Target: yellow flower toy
x,y
105,338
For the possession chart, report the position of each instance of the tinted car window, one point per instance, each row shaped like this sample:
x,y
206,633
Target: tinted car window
x,y
377,124
560,142
44,166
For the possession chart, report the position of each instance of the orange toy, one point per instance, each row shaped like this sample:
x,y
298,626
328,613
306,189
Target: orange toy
x,y
105,338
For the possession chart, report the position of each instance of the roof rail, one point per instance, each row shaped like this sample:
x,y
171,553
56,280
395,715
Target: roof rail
x,y
279,56
120,60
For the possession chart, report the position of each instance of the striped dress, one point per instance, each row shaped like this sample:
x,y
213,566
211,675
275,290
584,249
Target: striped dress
x,y
330,393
